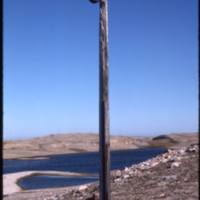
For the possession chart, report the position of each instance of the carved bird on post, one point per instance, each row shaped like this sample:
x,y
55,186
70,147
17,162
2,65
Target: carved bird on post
x,y
94,1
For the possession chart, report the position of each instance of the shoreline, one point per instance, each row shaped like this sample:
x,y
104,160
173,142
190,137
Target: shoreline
x,y
47,156
10,181
164,176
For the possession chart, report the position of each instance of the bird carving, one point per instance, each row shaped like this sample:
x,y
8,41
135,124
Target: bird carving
x,y
94,1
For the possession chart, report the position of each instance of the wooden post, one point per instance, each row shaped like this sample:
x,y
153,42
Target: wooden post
x,y
104,137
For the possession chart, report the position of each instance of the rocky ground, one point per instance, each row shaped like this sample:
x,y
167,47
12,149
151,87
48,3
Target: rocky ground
x,y
171,176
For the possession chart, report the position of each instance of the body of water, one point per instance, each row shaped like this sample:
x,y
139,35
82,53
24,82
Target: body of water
x,y
81,162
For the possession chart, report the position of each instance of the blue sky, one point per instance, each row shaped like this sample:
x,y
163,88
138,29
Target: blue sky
x,y
51,67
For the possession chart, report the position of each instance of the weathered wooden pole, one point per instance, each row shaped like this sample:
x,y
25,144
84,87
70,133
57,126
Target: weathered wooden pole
x,y
104,138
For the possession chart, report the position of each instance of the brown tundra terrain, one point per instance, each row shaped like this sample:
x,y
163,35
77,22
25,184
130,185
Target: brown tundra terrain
x,y
170,176
76,143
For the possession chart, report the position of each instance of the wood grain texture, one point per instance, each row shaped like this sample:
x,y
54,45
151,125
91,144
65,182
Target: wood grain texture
x,y
104,104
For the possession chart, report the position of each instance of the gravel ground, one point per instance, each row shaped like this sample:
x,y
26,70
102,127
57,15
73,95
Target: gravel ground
x,y
171,176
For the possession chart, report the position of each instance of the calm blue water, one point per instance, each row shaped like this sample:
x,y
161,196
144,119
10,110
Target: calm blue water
x,y
44,181
81,163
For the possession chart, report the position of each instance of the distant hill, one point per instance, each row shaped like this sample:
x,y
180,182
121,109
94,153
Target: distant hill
x,y
79,142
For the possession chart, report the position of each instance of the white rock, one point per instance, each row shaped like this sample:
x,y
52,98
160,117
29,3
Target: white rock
x,y
126,176
117,180
131,172
175,164
126,169
83,187
154,164
162,195
118,173
182,151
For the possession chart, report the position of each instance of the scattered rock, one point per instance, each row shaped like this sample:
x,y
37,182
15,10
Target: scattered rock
x,y
169,178
92,197
175,164
192,148
83,187
162,183
162,195
126,169
118,173
117,180
125,176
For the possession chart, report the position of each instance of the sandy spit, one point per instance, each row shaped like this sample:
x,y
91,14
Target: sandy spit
x,y
10,185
